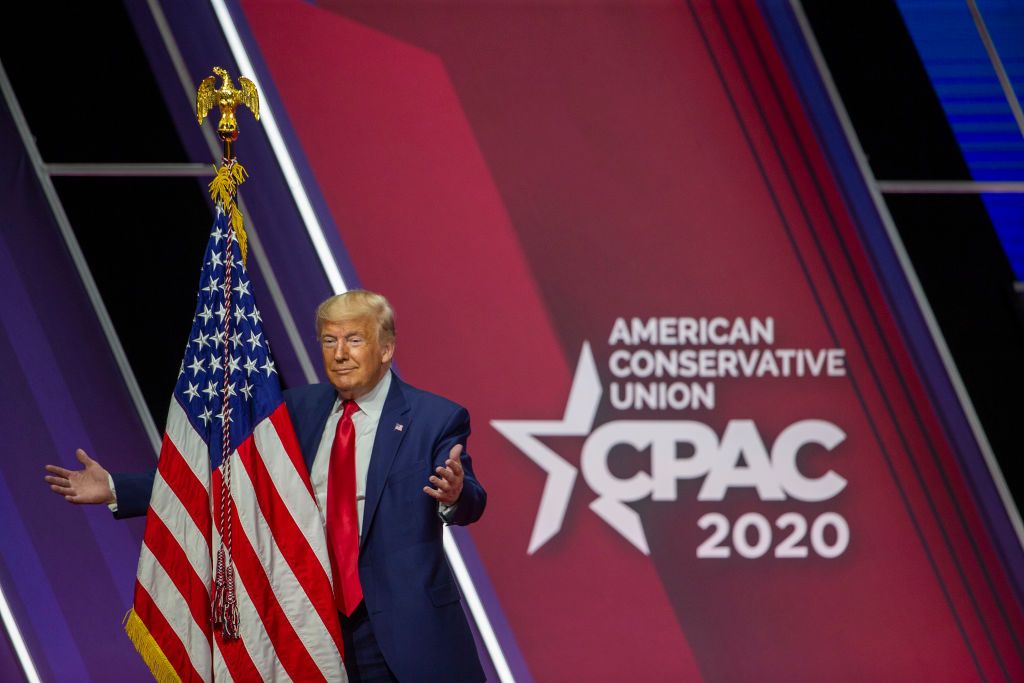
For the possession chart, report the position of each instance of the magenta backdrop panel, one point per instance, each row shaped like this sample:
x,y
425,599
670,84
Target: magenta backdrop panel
x,y
610,231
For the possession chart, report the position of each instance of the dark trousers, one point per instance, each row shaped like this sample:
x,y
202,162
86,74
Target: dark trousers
x,y
364,662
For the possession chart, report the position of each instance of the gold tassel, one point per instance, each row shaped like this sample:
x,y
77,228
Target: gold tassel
x,y
147,648
236,223
223,189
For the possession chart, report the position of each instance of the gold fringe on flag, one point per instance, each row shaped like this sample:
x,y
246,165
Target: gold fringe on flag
x,y
223,189
147,648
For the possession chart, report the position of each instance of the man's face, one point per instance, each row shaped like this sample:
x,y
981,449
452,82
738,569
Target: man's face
x,y
354,358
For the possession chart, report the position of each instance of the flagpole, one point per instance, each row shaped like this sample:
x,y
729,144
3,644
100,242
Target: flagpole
x,y
224,191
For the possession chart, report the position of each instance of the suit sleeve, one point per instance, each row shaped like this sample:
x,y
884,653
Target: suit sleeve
x,y
473,499
133,491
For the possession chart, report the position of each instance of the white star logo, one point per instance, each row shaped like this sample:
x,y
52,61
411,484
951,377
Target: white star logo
x,y
215,259
268,366
255,315
192,391
205,314
240,314
233,364
221,312
236,339
247,390
215,363
580,409
254,339
205,415
242,289
250,366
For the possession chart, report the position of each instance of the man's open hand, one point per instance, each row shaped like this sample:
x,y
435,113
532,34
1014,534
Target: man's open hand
x,y
84,486
447,481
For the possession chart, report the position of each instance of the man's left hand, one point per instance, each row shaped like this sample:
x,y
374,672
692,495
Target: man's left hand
x,y
447,481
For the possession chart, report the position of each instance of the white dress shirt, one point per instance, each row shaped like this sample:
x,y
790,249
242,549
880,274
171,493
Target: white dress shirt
x,y
365,421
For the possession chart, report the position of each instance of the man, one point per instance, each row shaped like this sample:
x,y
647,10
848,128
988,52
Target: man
x,y
406,622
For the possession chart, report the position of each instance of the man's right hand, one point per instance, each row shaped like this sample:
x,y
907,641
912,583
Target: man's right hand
x,y
86,486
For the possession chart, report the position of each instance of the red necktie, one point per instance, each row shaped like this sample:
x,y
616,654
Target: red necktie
x,y
342,518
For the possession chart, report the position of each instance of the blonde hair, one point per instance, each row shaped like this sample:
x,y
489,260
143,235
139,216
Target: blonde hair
x,y
359,303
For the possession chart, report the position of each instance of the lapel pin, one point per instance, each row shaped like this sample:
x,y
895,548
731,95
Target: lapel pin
x,y
399,426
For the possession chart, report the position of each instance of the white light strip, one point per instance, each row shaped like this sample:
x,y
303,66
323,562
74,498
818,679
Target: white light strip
x,y
291,175
17,641
330,267
132,170
476,607
950,187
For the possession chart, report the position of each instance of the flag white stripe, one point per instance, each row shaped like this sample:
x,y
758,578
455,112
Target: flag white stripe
x,y
290,593
188,442
297,498
168,600
180,524
220,667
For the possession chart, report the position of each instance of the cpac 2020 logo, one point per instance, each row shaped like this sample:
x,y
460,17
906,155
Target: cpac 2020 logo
x,y
740,458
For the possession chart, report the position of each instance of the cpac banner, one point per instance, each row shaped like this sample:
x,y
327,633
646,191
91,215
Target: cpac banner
x,y
683,449
610,230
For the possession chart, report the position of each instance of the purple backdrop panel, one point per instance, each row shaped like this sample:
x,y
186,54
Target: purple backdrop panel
x,y
67,571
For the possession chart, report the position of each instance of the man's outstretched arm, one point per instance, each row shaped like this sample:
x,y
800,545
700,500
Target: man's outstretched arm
x,y
91,485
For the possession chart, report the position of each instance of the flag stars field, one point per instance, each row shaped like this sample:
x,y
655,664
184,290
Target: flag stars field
x,y
218,318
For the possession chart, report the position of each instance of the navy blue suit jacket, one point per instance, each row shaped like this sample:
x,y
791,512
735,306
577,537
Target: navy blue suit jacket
x,y
411,595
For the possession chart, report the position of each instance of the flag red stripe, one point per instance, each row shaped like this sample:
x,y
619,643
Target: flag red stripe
x,y
290,649
164,636
237,659
190,491
291,541
165,548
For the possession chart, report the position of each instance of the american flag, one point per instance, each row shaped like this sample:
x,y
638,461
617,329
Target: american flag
x,y
276,565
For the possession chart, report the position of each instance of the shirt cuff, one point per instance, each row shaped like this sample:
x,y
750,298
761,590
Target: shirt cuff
x,y
446,512
113,492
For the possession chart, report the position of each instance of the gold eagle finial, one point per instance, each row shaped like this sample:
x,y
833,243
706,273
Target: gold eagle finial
x,y
227,97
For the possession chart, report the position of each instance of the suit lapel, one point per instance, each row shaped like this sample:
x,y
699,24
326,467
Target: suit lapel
x,y
385,448
312,436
